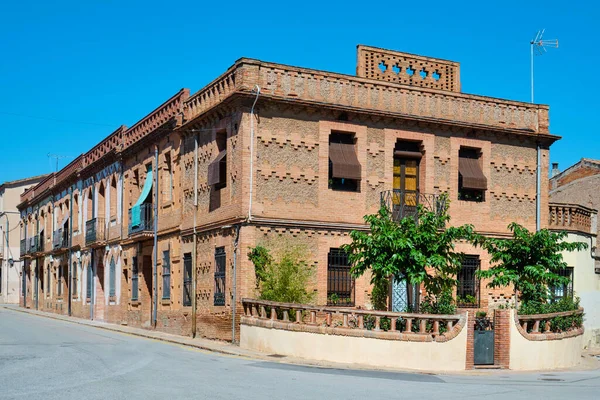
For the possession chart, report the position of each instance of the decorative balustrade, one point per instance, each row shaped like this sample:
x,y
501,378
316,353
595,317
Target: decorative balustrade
x,y
352,322
404,203
542,323
570,217
211,95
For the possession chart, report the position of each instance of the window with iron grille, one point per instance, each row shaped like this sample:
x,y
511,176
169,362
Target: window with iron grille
x,y
187,279
166,275
88,289
59,281
563,291
48,280
112,278
220,258
74,278
467,291
340,285
134,279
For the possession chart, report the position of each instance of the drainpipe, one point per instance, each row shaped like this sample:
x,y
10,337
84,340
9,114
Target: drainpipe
x,y
69,267
154,276
257,90
538,197
194,272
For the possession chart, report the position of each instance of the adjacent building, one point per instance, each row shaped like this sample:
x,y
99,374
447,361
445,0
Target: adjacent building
x,y
10,250
574,204
151,227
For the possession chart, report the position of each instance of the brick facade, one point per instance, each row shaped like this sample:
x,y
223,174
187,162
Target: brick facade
x,y
284,133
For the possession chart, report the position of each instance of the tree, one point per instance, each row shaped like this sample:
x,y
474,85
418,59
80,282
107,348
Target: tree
x,y
529,261
420,250
285,279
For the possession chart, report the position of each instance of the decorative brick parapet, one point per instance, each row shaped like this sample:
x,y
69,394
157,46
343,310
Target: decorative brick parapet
x,y
570,217
340,321
522,322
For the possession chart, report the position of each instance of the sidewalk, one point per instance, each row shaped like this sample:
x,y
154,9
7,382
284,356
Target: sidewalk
x,y
590,361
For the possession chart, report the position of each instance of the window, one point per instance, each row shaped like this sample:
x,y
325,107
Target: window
x,y
134,279
220,276
113,198
217,169
59,281
472,184
560,292
167,179
467,291
90,276
340,285
112,278
187,279
166,275
344,168
74,283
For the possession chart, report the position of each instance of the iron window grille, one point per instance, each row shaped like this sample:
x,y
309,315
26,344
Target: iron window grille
x,y
187,279
563,291
220,258
88,289
134,279
467,291
340,285
74,277
112,278
59,281
166,275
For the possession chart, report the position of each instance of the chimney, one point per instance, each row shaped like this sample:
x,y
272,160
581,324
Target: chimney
x,y
555,170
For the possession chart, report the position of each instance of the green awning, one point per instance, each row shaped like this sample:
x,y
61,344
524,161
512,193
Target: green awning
x,y
135,210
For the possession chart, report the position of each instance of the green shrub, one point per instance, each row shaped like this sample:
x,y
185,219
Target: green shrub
x,y
557,324
443,304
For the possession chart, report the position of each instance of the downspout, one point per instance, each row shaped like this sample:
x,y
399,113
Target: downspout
x,y
257,90
194,272
154,267
234,302
69,268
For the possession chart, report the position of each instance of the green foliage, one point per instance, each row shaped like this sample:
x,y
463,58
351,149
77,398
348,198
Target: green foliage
x,y
419,251
379,295
529,261
285,280
442,304
557,324
467,300
333,298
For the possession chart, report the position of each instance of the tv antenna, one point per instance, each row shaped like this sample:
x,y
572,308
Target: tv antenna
x,y
538,46
56,157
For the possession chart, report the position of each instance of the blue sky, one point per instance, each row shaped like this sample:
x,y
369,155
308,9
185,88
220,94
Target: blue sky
x,y
73,71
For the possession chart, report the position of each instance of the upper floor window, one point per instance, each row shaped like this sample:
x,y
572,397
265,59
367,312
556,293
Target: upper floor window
x,y
344,168
167,186
472,183
217,169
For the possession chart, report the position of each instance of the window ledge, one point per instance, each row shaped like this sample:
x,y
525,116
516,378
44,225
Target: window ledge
x,y
135,302
165,302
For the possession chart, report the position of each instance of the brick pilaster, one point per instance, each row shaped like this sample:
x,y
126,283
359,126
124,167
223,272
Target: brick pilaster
x,y
502,323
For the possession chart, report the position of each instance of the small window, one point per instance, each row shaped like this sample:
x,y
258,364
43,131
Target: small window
x,y
166,275
74,280
220,258
59,287
467,291
90,277
217,169
563,291
340,285
134,279
112,278
187,279
344,168
472,183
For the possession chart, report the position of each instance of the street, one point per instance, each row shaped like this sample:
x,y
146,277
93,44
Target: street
x,y
42,358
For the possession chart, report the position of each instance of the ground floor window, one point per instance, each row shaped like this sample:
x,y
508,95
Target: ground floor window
x,y
187,279
166,275
467,291
134,279
90,276
59,287
74,277
220,258
563,291
340,285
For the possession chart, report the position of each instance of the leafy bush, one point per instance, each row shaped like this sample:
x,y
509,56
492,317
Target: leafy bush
x,y
442,304
379,295
557,324
285,280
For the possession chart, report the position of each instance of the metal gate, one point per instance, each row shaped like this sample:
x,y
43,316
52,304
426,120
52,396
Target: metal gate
x,y
483,345
404,297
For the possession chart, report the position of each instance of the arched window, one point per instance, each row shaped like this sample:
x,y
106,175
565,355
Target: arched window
x,y
75,221
90,203
101,201
113,198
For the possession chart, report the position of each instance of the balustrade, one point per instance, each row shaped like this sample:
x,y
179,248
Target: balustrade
x,y
570,217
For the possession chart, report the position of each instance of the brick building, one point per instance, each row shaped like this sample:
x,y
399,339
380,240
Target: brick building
x,y
271,154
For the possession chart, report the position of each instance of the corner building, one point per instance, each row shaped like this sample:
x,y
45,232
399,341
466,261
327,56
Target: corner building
x,y
269,154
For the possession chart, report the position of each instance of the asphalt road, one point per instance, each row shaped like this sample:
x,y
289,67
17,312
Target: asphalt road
x,y
42,358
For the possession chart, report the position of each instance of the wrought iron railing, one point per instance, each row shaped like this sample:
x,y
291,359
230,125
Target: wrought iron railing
x,y
41,242
405,203
60,239
95,231
23,248
146,219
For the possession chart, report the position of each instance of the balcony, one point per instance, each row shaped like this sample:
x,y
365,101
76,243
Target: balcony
x,y
405,203
41,241
23,248
146,220
95,231
33,244
60,239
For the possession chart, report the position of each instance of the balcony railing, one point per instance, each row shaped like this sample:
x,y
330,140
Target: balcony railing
x,y
405,203
41,242
95,231
570,217
33,244
23,248
146,221
60,239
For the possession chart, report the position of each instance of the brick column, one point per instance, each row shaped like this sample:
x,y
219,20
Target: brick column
x,y
470,361
502,321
